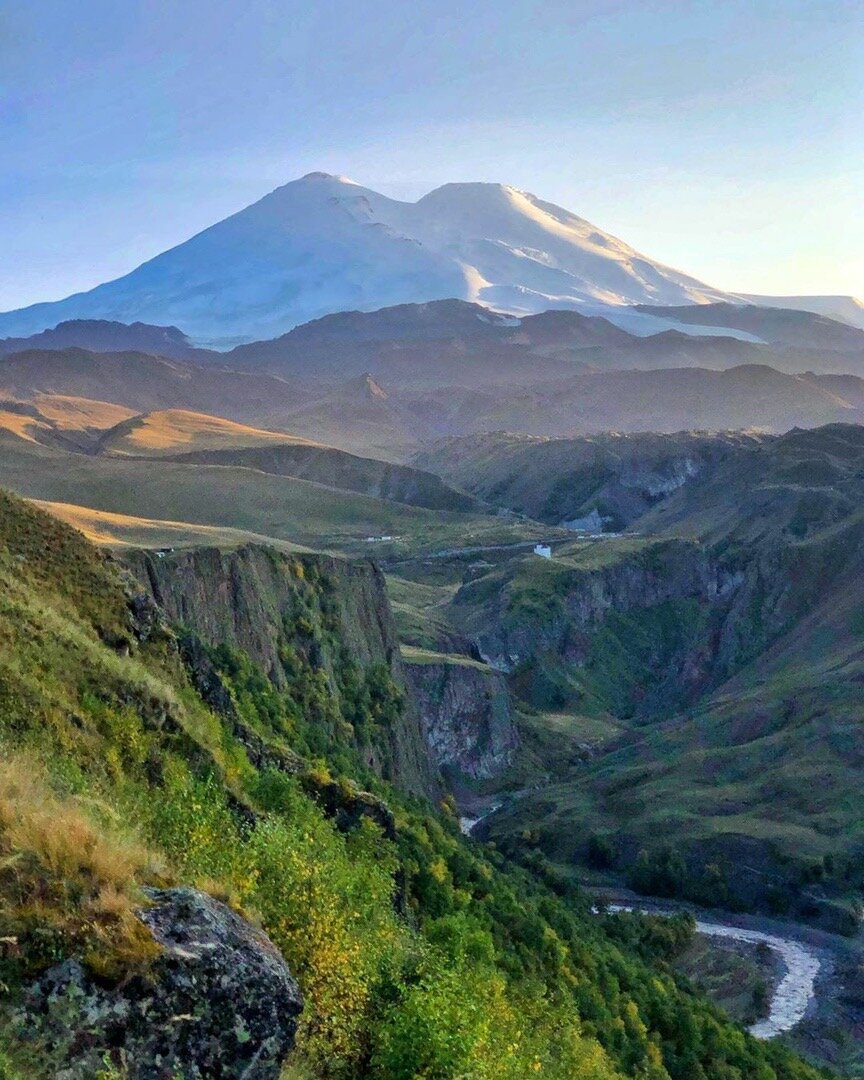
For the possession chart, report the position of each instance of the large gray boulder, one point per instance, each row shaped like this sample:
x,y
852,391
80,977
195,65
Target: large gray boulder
x,y
221,1003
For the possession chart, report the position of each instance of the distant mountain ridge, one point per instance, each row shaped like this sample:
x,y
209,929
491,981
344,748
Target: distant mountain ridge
x,y
848,309
322,244
429,342
447,341
388,382
103,335
771,323
421,342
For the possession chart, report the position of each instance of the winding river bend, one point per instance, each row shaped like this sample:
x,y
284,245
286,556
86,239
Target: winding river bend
x,y
791,996
793,993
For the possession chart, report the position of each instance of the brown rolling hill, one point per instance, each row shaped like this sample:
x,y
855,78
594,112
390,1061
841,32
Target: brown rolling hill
x,y
127,531
197,439
170,432
147,383
55,420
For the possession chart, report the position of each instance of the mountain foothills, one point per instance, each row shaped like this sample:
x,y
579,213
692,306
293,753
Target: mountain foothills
x,y
324,244
388,383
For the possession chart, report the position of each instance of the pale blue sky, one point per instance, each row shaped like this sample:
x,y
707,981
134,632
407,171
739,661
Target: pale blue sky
x,y
724,138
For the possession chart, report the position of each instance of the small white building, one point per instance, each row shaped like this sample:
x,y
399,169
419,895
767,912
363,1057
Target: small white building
x,y
543,550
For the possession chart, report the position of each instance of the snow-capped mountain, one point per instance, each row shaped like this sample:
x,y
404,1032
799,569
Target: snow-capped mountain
x,y
323,244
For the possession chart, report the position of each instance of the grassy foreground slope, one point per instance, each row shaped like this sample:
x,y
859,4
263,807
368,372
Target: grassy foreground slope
x,y
418,955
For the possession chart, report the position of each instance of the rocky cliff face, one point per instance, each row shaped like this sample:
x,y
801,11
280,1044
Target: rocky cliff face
x,y
466,715
219,1003
329,612
590,483
634,628
250,597
523,617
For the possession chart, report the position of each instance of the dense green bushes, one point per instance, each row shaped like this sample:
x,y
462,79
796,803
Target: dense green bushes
x,y
341,716
383,1000
665,872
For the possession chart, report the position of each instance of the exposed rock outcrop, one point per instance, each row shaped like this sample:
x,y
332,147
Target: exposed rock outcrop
x,y
592,482
242,597
219,1003
628,626
466,715
509,625
260,601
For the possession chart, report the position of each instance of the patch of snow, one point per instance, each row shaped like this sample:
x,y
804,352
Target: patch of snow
x,y
848,309
643,324
592,523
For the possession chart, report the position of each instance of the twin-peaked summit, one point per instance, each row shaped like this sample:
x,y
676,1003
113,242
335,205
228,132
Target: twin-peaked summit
x,y
323,243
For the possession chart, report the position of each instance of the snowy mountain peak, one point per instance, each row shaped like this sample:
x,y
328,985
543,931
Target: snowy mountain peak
x,y
474,197
470,190
312,177
313,187
323,243
322,180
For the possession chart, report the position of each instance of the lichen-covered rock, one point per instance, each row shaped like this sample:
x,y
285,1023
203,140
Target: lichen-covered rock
x,y
220,1003
144,617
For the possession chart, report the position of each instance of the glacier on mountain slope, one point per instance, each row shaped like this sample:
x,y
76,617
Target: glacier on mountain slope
x,y
323,244
845,309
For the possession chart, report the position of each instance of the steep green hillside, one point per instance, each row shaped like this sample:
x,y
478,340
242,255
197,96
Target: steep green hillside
x,y
598,483
335,468
196,438
320,629
417,953
608,627
738,780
